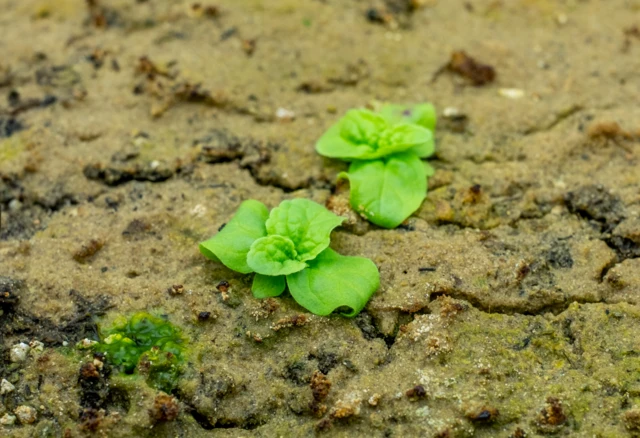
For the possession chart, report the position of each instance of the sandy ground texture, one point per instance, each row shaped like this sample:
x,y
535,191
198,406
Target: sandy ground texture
x,y
508,307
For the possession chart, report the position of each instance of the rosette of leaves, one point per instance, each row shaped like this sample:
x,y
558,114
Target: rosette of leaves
x,y
387,177
289,246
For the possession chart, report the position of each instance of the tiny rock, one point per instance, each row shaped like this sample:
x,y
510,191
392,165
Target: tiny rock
x,y
6,387
511,93
8,420
285,115
19,352
25,414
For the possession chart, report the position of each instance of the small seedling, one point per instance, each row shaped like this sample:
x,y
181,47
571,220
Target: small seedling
x,y
290,247
145,343
388,179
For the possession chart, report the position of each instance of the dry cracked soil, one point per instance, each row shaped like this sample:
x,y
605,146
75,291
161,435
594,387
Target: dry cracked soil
x,y
130,130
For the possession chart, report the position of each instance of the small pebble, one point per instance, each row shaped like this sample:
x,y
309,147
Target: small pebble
x,y
19,352
285,115
451,112
511,93
15,205
562,19
8,420
6,387
25,414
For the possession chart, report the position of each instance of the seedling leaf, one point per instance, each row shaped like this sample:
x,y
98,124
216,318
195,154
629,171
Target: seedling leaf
x,y
307,224
265,286
422,115
389,190
274,255
333,281
231,245
364,135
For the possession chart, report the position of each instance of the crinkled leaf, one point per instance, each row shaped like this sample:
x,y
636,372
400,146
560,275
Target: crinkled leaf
x,y
364,135
306,223
265,286
274,255
231,245
361,126
352,137
422,115
333,281
404,137
387,191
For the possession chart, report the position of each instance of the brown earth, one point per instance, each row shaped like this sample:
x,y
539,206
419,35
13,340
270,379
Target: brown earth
x,y
130,130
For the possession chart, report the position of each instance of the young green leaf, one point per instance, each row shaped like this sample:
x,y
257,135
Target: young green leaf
x,y
265,286
274,255
334,281
231,245
422,115
388,190
364,135
404,137
306,223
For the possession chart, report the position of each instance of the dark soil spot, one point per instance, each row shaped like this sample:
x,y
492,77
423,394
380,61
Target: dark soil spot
x,y
137,229
298,373
416,393
625,248
596,203
10,291
9,126
58,76
559,256
326,361
367,326
116,175
81,325
93,381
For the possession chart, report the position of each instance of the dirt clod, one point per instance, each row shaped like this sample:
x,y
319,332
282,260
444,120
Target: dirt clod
x,y
165,408
87,251
632,419
595,202
320,386
552,414
469,68
416,393
484,414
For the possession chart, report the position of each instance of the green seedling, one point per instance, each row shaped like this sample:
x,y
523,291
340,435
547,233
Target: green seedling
x,y
147,344
388,179
289,246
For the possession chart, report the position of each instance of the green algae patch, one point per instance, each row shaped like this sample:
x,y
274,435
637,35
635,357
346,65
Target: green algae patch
x,y
147,344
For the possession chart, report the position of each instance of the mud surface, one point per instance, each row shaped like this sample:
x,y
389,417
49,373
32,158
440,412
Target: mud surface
x,y
508,307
